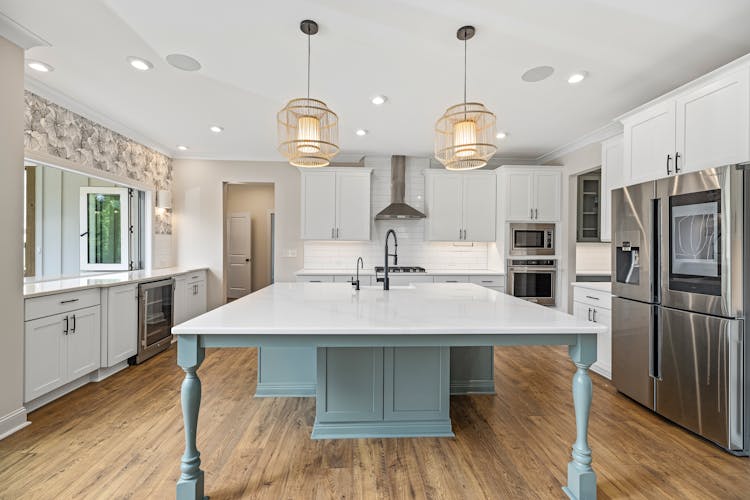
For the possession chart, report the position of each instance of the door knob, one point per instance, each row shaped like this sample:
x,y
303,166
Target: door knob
x,y
247,260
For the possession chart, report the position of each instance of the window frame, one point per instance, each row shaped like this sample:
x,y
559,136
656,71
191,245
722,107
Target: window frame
x,y
125,262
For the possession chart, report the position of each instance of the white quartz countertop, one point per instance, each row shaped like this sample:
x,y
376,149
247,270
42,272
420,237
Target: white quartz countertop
x,y
429,308
371,272
38,288
599,286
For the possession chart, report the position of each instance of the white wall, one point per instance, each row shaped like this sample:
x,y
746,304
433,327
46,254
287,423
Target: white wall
x,y
412,249
197,200
12,413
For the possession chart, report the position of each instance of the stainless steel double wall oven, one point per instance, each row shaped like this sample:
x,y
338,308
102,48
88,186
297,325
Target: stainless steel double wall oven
x,y
679,250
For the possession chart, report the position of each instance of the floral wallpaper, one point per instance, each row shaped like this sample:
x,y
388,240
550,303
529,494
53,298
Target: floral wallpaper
x,y
57,131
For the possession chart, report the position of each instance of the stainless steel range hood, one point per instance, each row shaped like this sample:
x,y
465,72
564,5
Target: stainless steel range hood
x,y
398,209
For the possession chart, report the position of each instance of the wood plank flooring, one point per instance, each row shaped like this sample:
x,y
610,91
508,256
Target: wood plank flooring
x,y
122,438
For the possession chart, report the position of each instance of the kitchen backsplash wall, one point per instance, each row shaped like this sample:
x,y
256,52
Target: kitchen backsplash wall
x,y
412,249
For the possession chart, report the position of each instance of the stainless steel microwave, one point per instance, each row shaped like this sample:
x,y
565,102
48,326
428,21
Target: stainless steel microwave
x,y
532,239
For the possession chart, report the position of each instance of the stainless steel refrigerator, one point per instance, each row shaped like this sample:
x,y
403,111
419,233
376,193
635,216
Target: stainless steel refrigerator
x,y
679,281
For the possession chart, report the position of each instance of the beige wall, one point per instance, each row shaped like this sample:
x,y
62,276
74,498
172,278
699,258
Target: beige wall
x,y
12,413
197,202
256,199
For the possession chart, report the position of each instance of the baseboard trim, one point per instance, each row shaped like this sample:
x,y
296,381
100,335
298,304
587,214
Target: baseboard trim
x,y
601,370
357,430
464,387
103,373
61,391
13,422
284,390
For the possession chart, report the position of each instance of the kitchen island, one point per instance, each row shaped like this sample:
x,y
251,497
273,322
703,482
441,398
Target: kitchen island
x,y
383,356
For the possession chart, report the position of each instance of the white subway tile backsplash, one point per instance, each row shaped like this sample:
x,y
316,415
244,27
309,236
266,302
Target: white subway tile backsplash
x,y
412,249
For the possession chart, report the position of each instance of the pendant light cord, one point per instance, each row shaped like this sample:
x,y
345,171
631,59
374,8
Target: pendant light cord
x,y
308,68
464,78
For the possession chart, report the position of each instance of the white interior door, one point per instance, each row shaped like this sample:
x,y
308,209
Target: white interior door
x,y
239,255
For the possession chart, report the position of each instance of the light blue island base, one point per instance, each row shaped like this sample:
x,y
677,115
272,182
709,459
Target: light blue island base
x,y
291,371
364,354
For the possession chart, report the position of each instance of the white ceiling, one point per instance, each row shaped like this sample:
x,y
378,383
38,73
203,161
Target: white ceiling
x,y
253,58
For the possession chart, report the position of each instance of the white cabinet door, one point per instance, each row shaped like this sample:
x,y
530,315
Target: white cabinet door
x,y
603,364
650,144
612,164
713,124
83,342
196,298
443,205
547,196
44,355
180,300
519,196
318,205
122,323
582,311
352,206
479,198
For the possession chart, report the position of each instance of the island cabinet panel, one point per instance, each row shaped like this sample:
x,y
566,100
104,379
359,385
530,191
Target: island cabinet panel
x,y
415,383
350,384
286,372
472,370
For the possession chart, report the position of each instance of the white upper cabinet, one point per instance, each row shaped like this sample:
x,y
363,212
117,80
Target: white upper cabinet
x,y
713,124
460,206
352,206
519,195
479,211
532,193
706,125
612,178
650,144
336,204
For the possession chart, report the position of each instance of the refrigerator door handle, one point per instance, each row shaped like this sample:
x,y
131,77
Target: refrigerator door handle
x,y
655,339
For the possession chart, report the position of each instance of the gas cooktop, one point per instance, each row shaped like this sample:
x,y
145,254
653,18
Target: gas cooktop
x,y
401,269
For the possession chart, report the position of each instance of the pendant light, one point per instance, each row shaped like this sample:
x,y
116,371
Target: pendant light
x,y
464,135
308,130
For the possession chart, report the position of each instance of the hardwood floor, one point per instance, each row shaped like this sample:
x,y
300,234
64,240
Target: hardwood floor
x,y
122,438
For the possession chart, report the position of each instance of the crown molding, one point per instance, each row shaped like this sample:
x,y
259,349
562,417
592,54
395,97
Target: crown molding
x,y
601,134
43,90
20,35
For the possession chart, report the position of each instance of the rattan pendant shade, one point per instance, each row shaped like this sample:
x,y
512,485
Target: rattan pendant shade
x,y
308,130
465,134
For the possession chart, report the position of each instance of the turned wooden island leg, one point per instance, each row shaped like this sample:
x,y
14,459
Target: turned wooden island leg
x,y
189,356
581,477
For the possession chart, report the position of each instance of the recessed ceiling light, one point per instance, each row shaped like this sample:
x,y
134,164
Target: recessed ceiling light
x,y
577,77
39,66
182,148
140,64
537,74
183,62
379,99
216,129
360,132
502,135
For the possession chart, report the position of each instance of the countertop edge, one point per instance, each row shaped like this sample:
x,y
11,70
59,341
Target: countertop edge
x,y
167,272
428,272
597,286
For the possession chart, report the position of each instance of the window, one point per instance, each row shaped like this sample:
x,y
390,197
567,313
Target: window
x,y
105,229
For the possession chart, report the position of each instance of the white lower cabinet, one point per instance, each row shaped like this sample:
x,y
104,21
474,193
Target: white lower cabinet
x,y
120,320
596,306
190,298
59,349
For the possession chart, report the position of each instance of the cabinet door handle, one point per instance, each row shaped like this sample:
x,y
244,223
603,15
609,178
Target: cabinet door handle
x,y
65,331
589,314
332,232
460,233
531,213
73,328
536,213
337,233
669,158
594,315
676,158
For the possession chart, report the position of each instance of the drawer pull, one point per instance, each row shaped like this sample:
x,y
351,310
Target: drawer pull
x,y
315,281
451,281
486,281
591,297
68,301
